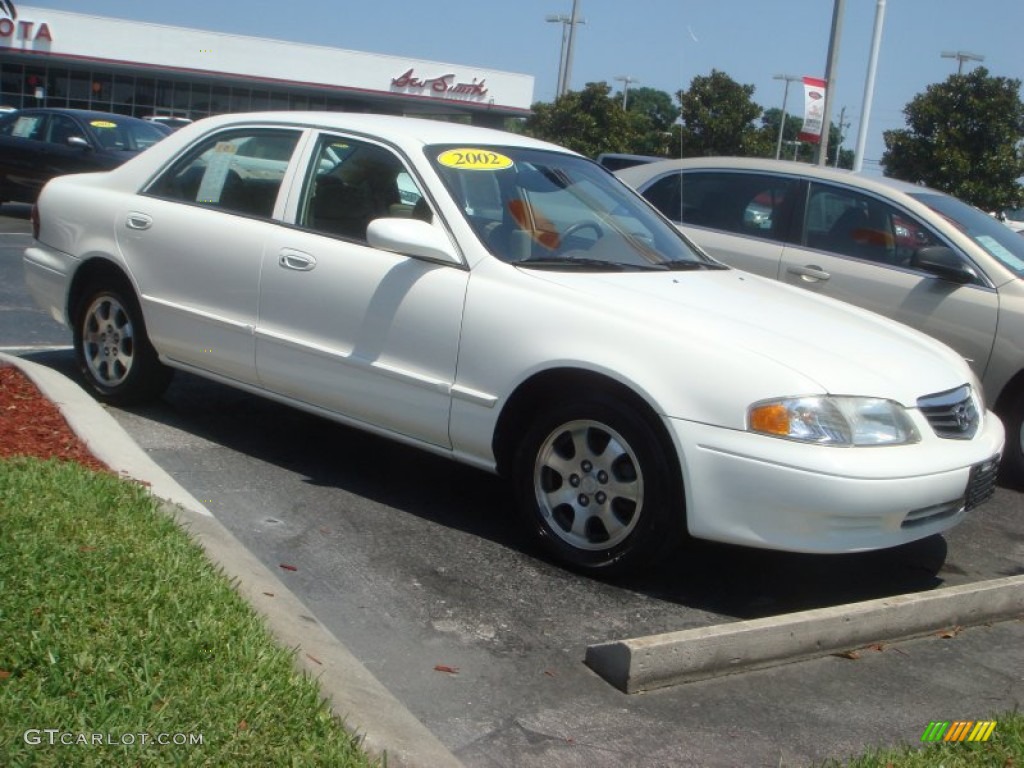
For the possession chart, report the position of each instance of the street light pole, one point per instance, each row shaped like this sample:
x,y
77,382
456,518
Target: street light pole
x,y
565,53
626,80
573,21
782,120
564,21
961,57
869,89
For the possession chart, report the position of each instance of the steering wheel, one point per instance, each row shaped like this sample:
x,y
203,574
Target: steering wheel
x,y
579,226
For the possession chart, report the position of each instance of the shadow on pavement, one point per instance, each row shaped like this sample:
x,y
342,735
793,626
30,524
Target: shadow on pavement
x,y
726,580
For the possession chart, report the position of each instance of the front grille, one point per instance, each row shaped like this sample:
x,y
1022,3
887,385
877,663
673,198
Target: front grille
x,y
953,414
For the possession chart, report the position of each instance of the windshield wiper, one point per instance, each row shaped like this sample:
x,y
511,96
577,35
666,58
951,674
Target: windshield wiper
x,y
689,266
569,261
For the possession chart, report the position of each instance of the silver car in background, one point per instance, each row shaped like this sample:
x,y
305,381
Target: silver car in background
x,y
908,252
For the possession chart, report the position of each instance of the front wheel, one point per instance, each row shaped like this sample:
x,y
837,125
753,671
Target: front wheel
x,y
595,488
113,352
1012,468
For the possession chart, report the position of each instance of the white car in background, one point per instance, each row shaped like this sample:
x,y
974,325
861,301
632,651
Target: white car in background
x,y
508,304
1014,219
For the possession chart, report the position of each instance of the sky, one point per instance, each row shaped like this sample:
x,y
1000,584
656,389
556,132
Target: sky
x,y
660,44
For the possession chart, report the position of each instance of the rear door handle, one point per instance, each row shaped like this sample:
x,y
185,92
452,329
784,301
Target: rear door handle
x,y
297,260
138,221
810,273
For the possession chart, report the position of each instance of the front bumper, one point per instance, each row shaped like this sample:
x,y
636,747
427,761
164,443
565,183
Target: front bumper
x,y
760,491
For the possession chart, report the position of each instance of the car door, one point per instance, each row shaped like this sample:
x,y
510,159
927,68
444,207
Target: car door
x,y
362,332
194,242
861,249
735,216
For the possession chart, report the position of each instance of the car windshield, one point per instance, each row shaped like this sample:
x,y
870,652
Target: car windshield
x,y
553,210
127,135
995,237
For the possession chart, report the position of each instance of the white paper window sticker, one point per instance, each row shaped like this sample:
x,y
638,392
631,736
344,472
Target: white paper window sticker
x,y
218,163
25,126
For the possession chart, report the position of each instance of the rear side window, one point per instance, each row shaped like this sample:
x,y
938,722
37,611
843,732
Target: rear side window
x,y
240,172
743,203
25,127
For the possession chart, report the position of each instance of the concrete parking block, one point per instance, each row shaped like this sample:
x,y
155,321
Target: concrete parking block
x,y
645,663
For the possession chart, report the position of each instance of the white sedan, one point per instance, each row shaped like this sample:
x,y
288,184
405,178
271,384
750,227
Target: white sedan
x,y
511,305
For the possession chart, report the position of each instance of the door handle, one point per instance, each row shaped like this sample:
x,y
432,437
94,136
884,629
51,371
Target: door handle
x,y
138,221
810,273
297,260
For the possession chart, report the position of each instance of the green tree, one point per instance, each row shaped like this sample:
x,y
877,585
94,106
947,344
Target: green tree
x,y
963,137
588,121
718,118
654,113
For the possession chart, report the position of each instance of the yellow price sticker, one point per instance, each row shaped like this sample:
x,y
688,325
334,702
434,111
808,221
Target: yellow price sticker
x,y
474,160
103,124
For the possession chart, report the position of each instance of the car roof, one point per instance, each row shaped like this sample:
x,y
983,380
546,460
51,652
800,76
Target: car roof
x,y
84,114
393,128
638,175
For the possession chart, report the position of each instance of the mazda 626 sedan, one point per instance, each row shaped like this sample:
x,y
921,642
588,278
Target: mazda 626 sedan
x,y
511,305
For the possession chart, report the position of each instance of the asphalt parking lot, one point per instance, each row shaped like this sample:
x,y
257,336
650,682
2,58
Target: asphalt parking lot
x,y
417,564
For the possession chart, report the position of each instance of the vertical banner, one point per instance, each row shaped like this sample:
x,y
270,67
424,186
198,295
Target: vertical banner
x,y
814,109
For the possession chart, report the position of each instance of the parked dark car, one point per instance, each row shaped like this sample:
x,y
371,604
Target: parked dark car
x,y
38,144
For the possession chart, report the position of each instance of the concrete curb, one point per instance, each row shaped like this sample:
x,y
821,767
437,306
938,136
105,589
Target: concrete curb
x,y
646,663
368,709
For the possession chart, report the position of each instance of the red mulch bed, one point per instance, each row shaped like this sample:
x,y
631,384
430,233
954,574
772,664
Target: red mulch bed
x,y
30,425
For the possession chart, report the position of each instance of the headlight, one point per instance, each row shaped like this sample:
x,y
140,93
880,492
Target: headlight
x,y
834,420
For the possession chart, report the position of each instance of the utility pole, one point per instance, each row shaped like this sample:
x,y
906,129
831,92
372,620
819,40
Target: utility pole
x,y
831,77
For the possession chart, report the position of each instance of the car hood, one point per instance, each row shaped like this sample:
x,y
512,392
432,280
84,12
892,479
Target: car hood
x,y
844,349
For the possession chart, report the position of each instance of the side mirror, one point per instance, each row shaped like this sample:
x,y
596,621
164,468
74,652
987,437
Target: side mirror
x,y
411,237
943,262
78,141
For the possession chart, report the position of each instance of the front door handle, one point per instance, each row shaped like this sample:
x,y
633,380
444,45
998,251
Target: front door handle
x,y
297,260
138,221
811,273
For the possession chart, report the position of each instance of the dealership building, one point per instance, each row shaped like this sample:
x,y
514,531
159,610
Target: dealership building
x,y
60,59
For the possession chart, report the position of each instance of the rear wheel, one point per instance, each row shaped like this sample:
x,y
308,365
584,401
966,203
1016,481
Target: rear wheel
x,y
595,488
114,354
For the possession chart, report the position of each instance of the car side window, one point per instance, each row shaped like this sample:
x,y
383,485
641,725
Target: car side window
x,y
665,194
849,223
350,183
63,128
240,172
742,203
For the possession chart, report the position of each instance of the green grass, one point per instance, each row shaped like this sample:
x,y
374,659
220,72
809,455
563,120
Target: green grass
x,y
112,622
1004,749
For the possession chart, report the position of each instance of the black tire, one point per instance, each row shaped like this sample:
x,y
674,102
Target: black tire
x,y
1011,470
595,488
113,351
